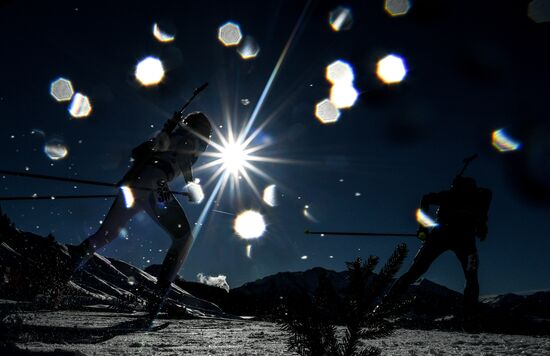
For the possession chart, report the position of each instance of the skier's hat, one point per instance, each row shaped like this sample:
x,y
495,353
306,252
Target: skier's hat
x,y
198,124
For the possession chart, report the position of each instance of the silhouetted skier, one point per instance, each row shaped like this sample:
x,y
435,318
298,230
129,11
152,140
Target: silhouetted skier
x,y
461,216
156,162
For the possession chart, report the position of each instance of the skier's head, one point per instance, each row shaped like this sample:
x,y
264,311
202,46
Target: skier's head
x,y
199,126
463,184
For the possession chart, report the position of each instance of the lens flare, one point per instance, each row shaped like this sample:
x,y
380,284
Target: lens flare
x,y
234,157
249,225
248,48
269,195
327,112
149,71
340,19
308,215
162,36
343,96
340,72
391,69
230,34
249,251
539,11
80,106
424,219
397,7
61,89
128,196
55,150
504,143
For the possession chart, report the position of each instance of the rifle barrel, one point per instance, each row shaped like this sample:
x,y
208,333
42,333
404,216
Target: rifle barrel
x,y
347,233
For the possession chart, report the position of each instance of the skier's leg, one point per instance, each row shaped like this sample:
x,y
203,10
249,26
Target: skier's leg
x,y
469,260
115,220
427,253
171,217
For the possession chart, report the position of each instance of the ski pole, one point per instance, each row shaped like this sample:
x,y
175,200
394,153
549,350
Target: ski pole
x,y
323,233
71,180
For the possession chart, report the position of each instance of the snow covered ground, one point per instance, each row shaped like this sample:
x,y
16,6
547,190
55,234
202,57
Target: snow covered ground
x,y
235,337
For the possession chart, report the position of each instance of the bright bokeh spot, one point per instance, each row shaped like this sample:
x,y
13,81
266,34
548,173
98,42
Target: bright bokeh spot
x,y
304,257
270,196
162,36
340,72
391,69
80,106
504,143
397,7
249,224
249,251
230,34
55,150
424,219
248,48
327,112
539,11
340,19
128,196
61,89
343,95
149,71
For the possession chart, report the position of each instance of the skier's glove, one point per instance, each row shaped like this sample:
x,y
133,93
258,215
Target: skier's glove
x,y
196,194
422,233
163,191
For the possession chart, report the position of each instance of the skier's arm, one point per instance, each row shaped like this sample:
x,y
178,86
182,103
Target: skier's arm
x,y
481,220
142,150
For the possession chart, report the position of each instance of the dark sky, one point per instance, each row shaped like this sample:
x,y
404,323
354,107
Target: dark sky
x,y
473,67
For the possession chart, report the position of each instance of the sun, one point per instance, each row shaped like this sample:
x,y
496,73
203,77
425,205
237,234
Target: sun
x,y
234,158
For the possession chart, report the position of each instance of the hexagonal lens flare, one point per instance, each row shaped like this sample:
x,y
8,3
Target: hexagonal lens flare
x,y
149,71
340,19
340,72
61,89
397,7
343,95
230,34
248,48
327,112
80,106
391,69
